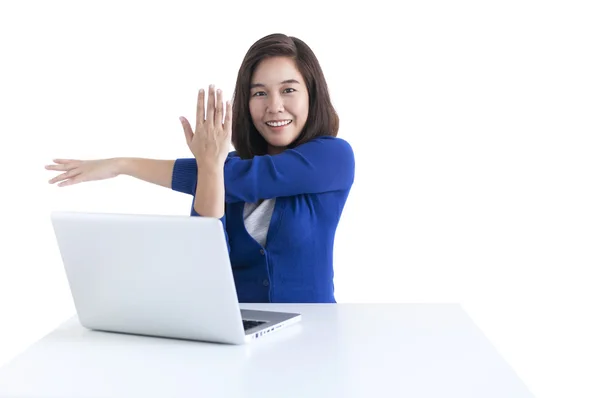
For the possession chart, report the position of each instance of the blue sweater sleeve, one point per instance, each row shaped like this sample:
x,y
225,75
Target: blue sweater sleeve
x,y
321,165
324,164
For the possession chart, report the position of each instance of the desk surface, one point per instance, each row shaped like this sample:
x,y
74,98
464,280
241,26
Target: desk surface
x,y
337,350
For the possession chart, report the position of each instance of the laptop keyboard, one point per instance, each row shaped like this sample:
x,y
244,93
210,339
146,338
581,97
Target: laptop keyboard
x,y
250,324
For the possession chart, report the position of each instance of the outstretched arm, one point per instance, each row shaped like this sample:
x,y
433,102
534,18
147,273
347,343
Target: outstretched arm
x,y
159,172
76,171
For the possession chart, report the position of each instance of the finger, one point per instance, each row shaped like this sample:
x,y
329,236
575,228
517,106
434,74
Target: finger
x,y
65,161
219,109
61,167
228,118
64,176
58,178
210,108
71,181
187,130
200,109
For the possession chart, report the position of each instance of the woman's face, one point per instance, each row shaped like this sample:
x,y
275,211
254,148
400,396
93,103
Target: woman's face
x,y
278,102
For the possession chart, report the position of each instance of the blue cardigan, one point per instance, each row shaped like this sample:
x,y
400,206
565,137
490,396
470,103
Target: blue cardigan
x,y
311,183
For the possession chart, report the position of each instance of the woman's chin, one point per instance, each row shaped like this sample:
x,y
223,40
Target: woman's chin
x,y
280,142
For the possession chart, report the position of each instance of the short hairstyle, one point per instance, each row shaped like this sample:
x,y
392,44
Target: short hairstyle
x,y
322,118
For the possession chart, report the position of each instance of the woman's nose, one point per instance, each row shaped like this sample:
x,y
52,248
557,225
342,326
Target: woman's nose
x,y
275,105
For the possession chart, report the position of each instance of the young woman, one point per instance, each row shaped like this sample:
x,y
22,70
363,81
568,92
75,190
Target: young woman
x,y
281,193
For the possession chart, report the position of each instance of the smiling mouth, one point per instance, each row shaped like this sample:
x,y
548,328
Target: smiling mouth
x,y
279,124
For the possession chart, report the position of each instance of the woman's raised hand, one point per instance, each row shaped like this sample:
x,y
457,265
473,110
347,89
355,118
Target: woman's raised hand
x,y
211,138
76,171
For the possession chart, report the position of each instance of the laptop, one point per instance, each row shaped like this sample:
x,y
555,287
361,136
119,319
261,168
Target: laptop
x,y
156,275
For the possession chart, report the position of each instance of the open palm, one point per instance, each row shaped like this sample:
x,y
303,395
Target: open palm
x,y
210,140
76,171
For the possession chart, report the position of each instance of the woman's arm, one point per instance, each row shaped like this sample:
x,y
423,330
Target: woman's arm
x,y
209,200
324,164
75,171
154,171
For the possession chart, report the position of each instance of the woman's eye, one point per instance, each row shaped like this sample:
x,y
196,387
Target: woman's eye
x,y
262,93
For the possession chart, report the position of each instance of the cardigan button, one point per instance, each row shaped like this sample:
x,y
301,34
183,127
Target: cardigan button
x,y
262,252
266,282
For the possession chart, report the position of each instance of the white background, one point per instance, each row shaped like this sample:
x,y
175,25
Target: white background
x,y
475,129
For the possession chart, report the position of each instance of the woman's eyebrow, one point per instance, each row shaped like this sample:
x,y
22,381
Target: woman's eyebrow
x,y
288,81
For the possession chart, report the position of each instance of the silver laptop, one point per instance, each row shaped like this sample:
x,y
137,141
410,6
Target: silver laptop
x,y
156,275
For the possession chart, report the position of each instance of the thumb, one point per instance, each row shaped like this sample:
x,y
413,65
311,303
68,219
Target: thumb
x,y
187,130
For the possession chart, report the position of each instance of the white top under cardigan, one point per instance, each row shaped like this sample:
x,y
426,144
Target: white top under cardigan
x,y
257,217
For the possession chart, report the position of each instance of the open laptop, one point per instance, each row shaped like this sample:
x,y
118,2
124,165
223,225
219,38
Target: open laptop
x,y
156,275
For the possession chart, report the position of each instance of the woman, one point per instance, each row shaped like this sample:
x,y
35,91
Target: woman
x,y
281,193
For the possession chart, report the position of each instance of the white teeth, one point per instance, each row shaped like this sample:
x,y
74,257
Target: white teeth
x,y
278,124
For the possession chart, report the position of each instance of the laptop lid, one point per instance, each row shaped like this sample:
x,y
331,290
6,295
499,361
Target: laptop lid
x,y
159,275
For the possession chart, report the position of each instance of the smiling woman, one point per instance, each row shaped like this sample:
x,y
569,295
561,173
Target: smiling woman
x,y
281,193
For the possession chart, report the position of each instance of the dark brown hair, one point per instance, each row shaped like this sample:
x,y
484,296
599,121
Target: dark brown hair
x,y
322,117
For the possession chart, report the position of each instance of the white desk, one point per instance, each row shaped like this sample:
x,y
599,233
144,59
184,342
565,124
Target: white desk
x,y
337,351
